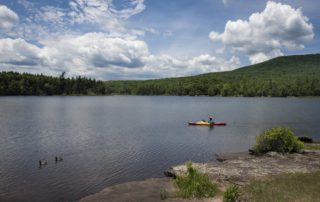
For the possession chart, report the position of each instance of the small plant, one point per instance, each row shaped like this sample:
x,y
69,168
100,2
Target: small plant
x,y
279,140
163,194
231,194
195,184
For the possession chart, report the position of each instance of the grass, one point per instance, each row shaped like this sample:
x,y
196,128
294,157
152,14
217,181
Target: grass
x,y
231,194
195,184
163,194
285,187
311,146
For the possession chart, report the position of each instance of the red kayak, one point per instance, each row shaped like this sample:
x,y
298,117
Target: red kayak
x,y
205,123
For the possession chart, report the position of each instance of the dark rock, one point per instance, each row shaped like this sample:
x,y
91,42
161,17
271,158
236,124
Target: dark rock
x,y
170,173
305,139
251,151
220,158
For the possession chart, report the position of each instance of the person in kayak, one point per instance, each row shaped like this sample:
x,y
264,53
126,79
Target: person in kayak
x,y
211,120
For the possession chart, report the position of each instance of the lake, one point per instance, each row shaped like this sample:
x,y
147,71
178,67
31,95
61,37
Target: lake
x,y
110,140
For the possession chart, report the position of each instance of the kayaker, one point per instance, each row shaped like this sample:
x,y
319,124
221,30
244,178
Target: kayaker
x,y
211,120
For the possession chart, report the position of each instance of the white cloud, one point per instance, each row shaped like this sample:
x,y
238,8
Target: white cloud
x,y
25,3
260,56
97,54
51,14
114,51
208,63
103,13
96,50
264,34
8,18
91,11
80,16
18,52
135,7
167,66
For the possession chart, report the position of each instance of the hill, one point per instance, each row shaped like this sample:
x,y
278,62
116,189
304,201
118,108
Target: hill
x,y
283,76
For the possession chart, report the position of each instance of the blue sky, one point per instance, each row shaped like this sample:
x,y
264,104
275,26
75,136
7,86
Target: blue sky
x,y
146,39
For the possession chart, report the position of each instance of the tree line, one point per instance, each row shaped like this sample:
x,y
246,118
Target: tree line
x,y
248,88
13,83
279,77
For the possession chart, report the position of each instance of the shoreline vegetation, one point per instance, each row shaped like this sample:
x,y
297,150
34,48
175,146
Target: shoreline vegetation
x,y
286,76
290,173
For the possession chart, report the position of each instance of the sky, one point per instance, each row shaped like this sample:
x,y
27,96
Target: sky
x,y
150,39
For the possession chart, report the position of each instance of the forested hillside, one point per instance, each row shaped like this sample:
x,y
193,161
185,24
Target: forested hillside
x,y
282,76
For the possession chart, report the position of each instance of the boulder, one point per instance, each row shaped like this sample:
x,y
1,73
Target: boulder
x,y
305,139
182,169
170,173
220,158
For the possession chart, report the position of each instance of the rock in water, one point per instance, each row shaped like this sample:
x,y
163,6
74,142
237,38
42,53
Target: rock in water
x,y
305,139
170,173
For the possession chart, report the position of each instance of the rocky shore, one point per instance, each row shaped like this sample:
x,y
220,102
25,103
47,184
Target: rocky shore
x,y
238,168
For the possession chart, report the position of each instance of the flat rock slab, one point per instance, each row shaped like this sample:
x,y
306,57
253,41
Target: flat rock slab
x,y
147,190
242,167
140,191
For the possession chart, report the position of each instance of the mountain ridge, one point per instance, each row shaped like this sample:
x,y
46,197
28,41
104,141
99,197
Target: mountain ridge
x,y
269,78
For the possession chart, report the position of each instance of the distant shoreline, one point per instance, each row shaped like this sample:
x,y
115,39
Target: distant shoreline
x,y
115,95
284,76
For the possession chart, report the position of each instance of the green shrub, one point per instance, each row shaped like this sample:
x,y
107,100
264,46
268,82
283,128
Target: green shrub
x,y
231,194
279,140
195,184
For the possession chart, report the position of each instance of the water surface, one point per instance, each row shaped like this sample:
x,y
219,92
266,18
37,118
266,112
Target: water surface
x,y
110,140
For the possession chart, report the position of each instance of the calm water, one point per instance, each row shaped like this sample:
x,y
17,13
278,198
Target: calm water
x,y
110,140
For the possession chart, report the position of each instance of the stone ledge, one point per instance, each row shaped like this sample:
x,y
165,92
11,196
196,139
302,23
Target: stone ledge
x,y
239,168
